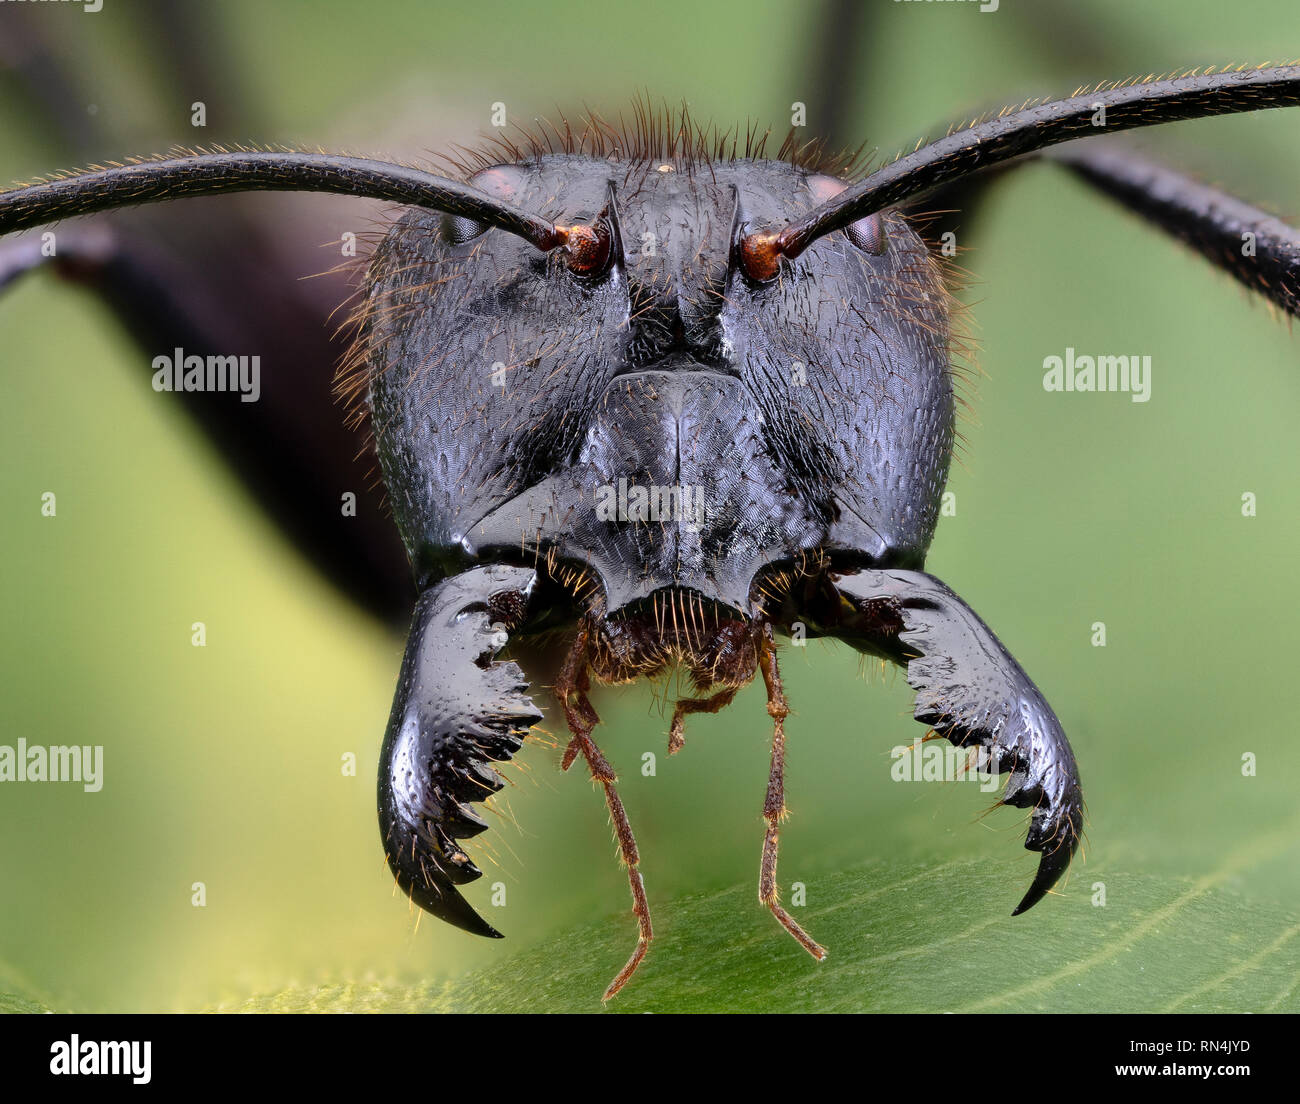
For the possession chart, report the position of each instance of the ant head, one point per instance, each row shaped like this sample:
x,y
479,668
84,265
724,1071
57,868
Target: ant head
x,y
495,369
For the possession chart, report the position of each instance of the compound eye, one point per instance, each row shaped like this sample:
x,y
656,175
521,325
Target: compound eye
x,y
457,230
868,234
504,182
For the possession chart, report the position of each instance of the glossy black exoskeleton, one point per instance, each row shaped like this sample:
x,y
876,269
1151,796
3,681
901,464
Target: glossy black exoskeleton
x,y
675,463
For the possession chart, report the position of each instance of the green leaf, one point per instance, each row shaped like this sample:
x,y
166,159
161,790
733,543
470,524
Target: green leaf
x,y
920,938
15,1002
17,994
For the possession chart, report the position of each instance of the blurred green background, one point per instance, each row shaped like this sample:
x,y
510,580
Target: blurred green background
x,y
223,763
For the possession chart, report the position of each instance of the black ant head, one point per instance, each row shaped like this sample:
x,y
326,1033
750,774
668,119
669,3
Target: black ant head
x,y
574,400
